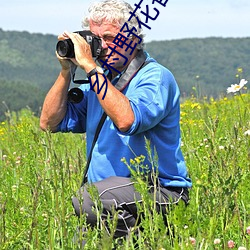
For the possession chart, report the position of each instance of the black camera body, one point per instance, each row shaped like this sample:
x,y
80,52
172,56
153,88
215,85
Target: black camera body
x,y
65,48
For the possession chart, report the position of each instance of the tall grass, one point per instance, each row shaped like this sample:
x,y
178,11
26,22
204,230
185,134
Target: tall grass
x,y
40,172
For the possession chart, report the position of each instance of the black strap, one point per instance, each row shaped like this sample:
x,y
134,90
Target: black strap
x,y
97,132
136,64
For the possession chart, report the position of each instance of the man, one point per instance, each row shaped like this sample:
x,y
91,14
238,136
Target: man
x,y
141,102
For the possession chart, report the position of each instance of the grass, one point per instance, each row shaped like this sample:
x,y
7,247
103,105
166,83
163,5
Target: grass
x,y
40,172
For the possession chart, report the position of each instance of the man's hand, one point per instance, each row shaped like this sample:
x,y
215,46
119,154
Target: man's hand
x,y
66,63
83,54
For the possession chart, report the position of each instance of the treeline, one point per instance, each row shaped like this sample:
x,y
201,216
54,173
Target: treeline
x,y
204,67
16,95
210,64
28,68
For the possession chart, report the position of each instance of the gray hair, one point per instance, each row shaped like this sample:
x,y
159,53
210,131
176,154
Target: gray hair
x,y
115,12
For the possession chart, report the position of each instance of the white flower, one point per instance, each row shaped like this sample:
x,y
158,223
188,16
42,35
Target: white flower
x,y
14,188
237,87
22,210
217,241
242,248
246,133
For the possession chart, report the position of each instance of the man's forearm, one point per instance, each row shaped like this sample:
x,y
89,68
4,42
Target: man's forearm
x,y
55,103
115,104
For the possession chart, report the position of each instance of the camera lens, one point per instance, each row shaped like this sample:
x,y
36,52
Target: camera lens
x,y
65,48
75,95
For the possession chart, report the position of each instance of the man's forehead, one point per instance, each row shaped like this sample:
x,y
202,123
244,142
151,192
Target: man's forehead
x,y
104,26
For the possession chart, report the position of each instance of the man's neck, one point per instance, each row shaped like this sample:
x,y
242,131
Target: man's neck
x,y
121,69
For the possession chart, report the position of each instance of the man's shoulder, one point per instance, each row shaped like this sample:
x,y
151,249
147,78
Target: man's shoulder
x,y
154,63
155,69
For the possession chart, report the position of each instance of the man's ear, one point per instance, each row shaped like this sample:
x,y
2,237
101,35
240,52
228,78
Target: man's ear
x,y
135,40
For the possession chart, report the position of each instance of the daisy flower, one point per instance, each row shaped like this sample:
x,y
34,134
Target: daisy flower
x,y
236,87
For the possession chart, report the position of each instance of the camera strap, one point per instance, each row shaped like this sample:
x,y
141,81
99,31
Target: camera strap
x,y
136,64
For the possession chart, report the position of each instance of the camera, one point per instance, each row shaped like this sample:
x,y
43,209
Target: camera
x,y
65,48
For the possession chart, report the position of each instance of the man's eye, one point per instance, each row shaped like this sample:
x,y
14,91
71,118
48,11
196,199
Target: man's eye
x,y
109,38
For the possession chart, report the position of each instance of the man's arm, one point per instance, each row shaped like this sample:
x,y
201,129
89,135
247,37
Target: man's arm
x,y
115,104
55,103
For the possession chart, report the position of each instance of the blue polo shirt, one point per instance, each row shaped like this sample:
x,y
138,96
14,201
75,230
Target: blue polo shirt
x,y
154,97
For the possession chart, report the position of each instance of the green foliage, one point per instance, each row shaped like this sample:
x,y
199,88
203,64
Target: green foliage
x,y
40,172
28,68
36,184
14,95
208,62
28,58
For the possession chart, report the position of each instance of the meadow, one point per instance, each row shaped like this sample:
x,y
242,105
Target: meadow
x,y
40,172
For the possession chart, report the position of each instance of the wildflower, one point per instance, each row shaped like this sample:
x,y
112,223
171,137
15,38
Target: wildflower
x,y
221,147
22,210
132,162
195,106
216,241
139,159
242,248
230,244
45,216
192,240
248,230
240,70
237,87
247,133
198,182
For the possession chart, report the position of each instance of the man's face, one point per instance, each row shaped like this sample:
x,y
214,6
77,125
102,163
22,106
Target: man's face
x,y
107,32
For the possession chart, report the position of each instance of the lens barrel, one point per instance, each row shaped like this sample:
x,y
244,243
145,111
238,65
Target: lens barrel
x,y
65,48
75,95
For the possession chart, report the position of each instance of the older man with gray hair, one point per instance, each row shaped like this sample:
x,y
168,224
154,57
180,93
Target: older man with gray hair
x,y
141,105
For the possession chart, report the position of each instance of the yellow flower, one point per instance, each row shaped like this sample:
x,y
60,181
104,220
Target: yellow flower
x,y
195,105
138,160
240,70
132,162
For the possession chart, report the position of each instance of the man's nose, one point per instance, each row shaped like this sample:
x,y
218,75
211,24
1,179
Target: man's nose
x,y
104,44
